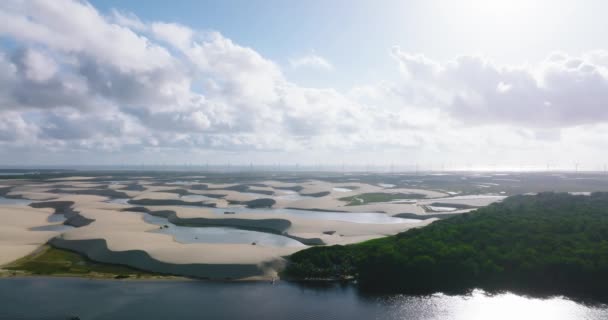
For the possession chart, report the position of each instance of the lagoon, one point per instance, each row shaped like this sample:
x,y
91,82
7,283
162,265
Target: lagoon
x,y
218,234
12,201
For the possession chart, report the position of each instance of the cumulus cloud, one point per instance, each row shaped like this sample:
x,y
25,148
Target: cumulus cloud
x,y
37,66
561,91
128,19
14,128
78,80
74,26
89,78
311,61
175,34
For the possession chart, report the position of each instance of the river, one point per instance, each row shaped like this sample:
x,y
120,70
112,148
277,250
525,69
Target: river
x,y
61,298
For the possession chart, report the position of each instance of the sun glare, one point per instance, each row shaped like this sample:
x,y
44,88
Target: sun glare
x,y
501,7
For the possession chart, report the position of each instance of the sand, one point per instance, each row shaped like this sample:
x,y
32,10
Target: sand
x,y
480,201
36,196
126,240
16,240
118,236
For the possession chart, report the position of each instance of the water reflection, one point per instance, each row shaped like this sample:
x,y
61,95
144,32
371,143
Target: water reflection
x,y
479,305
11,201
228,235
218,234
60,298
56,217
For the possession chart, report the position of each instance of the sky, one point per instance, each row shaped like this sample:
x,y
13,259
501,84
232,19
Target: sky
x,y
438,83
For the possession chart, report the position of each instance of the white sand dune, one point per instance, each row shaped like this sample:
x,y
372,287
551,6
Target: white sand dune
x,y
124,237
16,238
36,196
475,201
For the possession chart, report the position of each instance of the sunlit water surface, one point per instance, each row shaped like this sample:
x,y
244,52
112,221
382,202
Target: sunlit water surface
x,y
61,298
218,234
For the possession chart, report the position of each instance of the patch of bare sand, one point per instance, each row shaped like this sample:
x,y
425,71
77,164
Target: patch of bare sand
x,y
344,232
116,186
479,201
16,238
35,196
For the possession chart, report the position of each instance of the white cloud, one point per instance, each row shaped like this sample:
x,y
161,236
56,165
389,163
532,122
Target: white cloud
x,y
80,81
177,35
76,27
562,91
128,19
38,66
14,128
311,60
116,75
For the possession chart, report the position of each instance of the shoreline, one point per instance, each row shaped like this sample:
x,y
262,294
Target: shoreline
x,y
588,300
10,274
40,263
5,274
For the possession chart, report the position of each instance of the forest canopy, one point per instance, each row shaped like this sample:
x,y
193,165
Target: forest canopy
x,y
553,243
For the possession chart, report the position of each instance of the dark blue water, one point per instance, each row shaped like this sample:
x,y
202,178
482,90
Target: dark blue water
x,y
60,298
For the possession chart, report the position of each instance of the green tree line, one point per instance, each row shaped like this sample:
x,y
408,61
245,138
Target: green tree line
x,y
553,243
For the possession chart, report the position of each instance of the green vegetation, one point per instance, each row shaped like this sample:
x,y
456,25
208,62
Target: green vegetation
x,y
459,206
365,198
551,243
260,203
316,194
53,261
